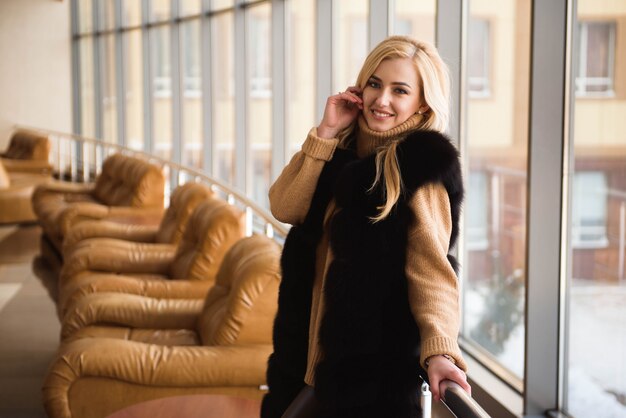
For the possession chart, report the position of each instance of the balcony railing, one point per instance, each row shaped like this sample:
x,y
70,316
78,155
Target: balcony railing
x,y
79,159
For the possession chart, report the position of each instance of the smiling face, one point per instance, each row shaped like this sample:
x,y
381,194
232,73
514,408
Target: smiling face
x,y
392,94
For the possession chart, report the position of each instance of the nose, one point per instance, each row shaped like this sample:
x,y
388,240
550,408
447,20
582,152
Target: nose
x,y
383,98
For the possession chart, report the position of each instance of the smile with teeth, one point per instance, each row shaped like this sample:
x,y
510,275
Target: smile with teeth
x,y
381,114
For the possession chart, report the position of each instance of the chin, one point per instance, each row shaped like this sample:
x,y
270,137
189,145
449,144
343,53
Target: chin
x,y
379,126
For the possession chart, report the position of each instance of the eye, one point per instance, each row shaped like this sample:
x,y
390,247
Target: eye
x,y
373,83
401,91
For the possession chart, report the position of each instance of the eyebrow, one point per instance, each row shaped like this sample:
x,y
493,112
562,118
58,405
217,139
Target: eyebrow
x,y
395,83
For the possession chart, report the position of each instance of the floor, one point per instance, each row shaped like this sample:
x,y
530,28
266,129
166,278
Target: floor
x,y
29,328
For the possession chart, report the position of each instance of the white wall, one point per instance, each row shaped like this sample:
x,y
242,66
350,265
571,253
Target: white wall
x,y
35,65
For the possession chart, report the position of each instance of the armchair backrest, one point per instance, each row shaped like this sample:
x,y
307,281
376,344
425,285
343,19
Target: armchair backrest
x,y
27,145
241,306
183,202
130,181
213,228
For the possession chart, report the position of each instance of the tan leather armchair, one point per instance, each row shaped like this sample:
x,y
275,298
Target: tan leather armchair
x,y
127,186
157,270
183,201
28,152
126,349
16,190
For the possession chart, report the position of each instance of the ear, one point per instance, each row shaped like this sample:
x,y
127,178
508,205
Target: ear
x,y
423,109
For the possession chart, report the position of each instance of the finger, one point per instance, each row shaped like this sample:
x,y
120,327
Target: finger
x,y
434,388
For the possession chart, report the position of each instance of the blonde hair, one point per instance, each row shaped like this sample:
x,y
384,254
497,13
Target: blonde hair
x,y
435,90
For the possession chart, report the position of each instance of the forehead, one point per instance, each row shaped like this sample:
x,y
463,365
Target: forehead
x,y
397,69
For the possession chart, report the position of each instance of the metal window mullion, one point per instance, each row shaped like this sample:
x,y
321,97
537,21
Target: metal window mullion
x,y
323,54
545,275
97,57
241,152
279,80
209,147
380,21
120,76
148,93
176,86
77,123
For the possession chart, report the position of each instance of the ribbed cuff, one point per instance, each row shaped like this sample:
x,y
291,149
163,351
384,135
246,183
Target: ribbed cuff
x,y
319,148
442,345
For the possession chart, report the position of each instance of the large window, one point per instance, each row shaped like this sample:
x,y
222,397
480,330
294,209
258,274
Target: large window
x,y
596,335
300,106
478,57
494,259
415,18
259,104
350,19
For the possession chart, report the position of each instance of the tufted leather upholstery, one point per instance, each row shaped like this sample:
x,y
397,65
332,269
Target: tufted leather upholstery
x,y
127,186
123,349
15,194
183,202
27,152
157,270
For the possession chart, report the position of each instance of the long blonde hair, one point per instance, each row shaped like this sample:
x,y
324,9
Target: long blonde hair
x,y
435,90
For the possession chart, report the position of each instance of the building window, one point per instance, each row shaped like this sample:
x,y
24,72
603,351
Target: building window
x,y
477,212
589,210
478,57
596,59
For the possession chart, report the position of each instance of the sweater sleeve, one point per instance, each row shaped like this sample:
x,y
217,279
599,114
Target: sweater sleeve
x,y
291,194
433,285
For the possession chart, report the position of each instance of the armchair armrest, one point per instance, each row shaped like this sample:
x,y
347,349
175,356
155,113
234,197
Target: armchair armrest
x,y
82,211
131,311
107,229
67,187
146,366
26,166
116,256
161,289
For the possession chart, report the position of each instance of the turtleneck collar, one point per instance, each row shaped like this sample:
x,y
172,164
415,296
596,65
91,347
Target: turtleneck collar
x,y
368,140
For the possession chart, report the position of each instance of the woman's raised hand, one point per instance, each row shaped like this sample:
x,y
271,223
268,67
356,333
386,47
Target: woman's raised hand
x,y
341,110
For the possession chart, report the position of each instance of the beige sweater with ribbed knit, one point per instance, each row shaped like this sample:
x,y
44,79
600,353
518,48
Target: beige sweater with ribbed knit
x,y
433,286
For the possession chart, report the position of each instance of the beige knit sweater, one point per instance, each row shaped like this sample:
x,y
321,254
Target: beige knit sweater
x,y
433,286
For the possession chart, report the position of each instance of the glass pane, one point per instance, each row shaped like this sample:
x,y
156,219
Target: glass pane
x,y
596,338
107,14
223,92
131,14
190,7
495,211
300,73
416,18
349,41
192,93
258,31
85,16
133,68
160,10
109,86
221,4
87,85
162,91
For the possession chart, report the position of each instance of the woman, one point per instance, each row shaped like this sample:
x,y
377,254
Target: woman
x,y
369,292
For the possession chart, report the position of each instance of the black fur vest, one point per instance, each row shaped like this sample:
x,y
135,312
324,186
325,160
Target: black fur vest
x,y
368,337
